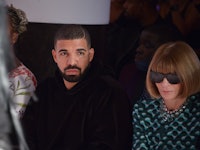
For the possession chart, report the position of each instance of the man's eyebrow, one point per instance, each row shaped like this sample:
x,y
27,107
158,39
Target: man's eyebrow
x,y
61,50
81,49
78,49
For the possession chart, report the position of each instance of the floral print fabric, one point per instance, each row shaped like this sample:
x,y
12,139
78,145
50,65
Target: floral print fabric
x,y
22,86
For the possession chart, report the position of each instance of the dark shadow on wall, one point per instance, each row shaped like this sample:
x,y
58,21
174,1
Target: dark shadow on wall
x,y
34,47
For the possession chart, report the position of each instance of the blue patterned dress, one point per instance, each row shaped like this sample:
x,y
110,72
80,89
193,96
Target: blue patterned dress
x,y
154,132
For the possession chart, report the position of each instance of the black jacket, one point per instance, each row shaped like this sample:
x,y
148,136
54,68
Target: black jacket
x,y
94,115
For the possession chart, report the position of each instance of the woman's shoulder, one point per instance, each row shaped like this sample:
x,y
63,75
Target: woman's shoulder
x,y
23,75
21,70
194,100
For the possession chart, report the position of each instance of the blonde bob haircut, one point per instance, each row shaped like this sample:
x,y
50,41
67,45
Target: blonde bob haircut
x,y
179,58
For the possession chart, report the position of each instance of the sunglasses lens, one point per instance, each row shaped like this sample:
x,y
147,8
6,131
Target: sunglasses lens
x,y
173,78
158,77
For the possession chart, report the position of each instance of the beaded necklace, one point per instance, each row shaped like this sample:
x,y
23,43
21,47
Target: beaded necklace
x,y
170,115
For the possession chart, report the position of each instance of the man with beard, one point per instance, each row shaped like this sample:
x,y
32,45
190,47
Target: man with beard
x,y
82,107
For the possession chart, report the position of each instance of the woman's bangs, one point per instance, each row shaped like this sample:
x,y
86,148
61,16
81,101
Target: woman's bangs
x,y
163,65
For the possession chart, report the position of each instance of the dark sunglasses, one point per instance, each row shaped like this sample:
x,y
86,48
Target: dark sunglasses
x,y
158,77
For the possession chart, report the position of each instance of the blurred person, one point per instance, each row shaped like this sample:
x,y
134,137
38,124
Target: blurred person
x,y
124,33
170,118
82,106
22,80
133,74
116,9
144,11
120,35
185,15
6,64
11,136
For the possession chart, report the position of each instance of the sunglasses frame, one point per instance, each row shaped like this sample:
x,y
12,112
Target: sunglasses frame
x,y
157,77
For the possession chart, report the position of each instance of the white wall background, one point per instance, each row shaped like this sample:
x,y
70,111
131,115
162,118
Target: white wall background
x,y
65,11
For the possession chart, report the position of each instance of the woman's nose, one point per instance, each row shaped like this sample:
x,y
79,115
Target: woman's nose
x,y
165,82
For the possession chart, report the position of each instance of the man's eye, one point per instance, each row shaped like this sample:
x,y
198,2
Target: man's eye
x,y
63,53
81,53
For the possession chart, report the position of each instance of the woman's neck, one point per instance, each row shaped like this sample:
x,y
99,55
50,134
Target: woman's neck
x,y
174,104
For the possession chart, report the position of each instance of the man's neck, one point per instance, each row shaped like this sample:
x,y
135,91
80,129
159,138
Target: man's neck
x,y
69,85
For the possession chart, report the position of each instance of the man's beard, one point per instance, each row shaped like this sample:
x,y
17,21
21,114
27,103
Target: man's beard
x,y
73,78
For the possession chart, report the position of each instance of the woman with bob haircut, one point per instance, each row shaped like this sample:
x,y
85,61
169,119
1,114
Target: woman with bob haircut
x,y
171,118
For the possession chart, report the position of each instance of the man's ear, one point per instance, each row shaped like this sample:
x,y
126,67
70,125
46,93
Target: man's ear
x,y
91,54
53,52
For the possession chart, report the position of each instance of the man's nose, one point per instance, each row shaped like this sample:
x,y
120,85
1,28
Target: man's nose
x,y
72,60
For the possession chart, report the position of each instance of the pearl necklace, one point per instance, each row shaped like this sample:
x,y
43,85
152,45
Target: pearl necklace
x,y
170,115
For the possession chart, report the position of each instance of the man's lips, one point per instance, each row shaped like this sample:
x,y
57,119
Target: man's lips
x,y
72,71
